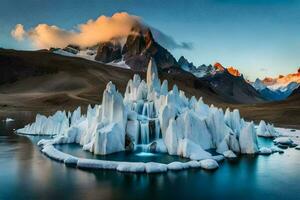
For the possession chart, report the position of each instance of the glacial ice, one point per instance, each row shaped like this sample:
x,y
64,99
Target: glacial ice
x,y
276,149
131,167
109,139
52,152
176,166
8,120
283,140
57,124
266,130
153,167
209,164
160,146
97,164
150,167
218,158
229,154
154,118
248,140
189,149
265,151
193,164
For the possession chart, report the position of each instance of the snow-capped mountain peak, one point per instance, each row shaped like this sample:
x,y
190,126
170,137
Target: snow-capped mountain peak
x,y
259,85
281,81
134,51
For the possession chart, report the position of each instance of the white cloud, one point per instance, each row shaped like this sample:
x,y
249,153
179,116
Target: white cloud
x,y
18,32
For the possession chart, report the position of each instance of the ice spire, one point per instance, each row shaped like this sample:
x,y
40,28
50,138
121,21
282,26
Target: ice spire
x,y
152,74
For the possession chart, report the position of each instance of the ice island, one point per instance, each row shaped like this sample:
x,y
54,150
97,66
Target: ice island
x,y
153,118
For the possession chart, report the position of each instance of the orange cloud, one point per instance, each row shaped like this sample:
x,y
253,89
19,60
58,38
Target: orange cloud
x,y
18,32
92,32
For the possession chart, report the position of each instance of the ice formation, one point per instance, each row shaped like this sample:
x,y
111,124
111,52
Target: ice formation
x,y
283,141
154,118
8,120
266,130
229,154
265,151
209,164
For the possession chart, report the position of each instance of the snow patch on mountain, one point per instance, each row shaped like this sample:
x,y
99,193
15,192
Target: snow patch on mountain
x,y
90,54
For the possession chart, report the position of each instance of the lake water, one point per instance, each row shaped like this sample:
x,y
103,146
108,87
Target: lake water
x,y
25,173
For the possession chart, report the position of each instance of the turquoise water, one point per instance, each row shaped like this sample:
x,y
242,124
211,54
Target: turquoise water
x,y
25,173
136,156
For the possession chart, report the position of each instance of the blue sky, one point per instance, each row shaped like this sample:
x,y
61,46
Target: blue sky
x,y
259,37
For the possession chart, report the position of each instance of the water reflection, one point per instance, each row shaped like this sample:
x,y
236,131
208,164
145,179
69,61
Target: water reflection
x,y
25,173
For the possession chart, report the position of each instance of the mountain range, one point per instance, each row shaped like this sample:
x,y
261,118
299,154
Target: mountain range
x,y
282,81
277,88
140,46
134,53
135,50
61,78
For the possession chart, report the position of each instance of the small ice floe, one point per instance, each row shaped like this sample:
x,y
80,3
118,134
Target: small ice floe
x,y
283,140
153,167
265,151
193,164
176,166
293,134
131,167
183,165
8,120
71,161
209,164
97,164
266,130
276,149
229,154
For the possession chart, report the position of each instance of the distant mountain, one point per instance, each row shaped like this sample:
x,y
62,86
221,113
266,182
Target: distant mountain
x,y
223,81
271,94
281,81
296,92
136,50
259,85
135,53
231,86
201,71
39,81
205,70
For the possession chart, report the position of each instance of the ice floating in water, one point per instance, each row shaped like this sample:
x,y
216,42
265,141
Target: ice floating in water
x,y
229,154
283,141
266,130
248,140
136,167
8,120
265,151
158,120
209,164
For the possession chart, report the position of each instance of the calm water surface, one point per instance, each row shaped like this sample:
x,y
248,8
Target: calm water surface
x,y
25,173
